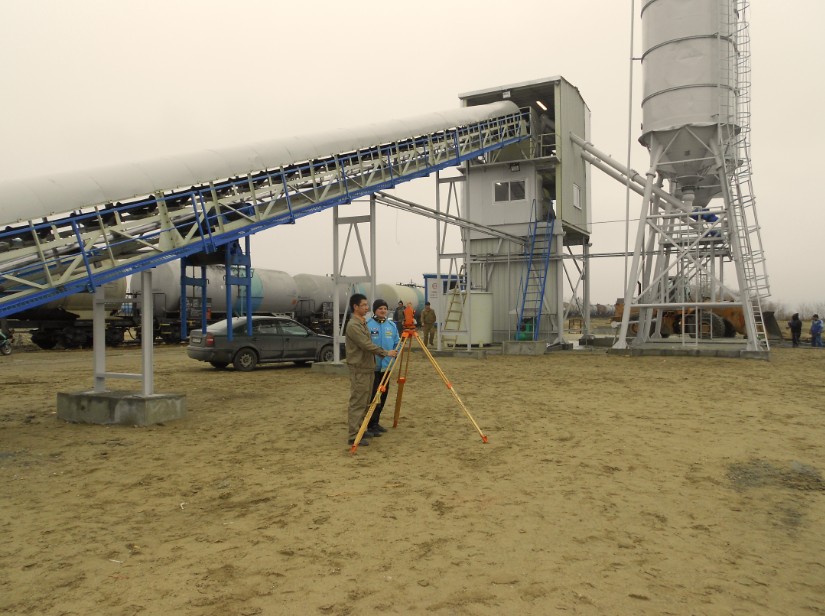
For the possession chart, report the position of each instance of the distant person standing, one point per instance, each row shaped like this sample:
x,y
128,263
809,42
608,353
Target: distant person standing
x,y
360,352
816,331
428,324
795,325
398,316
385,335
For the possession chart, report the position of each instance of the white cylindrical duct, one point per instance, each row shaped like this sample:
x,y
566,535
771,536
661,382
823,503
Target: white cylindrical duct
x,y
689,81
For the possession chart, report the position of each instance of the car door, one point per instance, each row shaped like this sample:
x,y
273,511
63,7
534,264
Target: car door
x,y
268,340
299,343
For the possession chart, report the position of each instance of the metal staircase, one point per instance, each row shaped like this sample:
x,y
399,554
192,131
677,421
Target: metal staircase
x,y
534,283
69,234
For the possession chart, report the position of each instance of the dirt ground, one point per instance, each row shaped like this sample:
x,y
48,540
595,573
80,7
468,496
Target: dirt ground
x,y
610,485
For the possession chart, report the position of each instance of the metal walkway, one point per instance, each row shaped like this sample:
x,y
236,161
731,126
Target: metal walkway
x,y
73,233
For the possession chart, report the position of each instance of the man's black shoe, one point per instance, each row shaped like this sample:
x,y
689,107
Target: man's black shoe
x,y
378,428
364,442
372,432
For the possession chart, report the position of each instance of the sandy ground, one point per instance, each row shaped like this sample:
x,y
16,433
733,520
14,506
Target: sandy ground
x,y
610,485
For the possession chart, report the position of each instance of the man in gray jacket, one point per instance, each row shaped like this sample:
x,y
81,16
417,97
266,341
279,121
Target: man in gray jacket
x,y
361,363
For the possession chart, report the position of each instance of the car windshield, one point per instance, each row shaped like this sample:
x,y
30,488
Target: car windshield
x,y
291,328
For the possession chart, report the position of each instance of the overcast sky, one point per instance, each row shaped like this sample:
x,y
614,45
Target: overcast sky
x,y
94,82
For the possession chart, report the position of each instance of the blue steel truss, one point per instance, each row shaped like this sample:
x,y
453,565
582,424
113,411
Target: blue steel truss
x,y
45,260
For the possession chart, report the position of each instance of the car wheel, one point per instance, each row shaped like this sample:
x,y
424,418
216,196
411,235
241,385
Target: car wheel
x,y
245,360
220,365
327,354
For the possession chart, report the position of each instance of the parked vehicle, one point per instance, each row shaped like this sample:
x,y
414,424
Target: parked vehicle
x,y
308,298
273,339
718,322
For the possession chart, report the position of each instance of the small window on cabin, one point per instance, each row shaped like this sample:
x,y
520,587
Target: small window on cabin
x,y
517,192
577,197
509,191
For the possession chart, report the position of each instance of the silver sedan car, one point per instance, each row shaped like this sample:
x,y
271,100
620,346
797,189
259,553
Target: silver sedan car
x,y
273,339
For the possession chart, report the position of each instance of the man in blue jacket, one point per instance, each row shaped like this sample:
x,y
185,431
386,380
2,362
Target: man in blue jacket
x,y
816,331
385,335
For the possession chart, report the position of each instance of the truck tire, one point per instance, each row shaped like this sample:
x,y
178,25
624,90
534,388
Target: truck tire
x,y
717,325
45,339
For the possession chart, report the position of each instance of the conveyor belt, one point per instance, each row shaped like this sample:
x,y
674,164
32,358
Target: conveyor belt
x,y
71,233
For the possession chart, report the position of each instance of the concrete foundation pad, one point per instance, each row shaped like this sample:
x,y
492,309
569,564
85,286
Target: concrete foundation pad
x,y
524,347
598,341
120,408
339,369
462,352
691,352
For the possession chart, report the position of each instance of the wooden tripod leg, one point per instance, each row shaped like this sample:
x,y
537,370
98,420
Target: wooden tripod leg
x,y
406,338
451,388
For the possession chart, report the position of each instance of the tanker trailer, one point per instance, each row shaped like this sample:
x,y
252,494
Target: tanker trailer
x,y
394,293
308,298
67,322
316,297
271,292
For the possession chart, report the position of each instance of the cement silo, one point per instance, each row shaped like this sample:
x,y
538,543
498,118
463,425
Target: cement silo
x,y
689,102
698,212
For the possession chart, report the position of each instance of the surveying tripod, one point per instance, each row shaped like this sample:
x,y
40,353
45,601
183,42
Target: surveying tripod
x,y
404,351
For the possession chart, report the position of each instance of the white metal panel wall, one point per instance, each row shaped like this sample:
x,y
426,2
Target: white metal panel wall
x,y
571,114
511,217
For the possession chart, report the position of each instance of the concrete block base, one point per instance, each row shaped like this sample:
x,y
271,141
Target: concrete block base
x,y
474,353
524,347
323,367
705,351
120,408
597,341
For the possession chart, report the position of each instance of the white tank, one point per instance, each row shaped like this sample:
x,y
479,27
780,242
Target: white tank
x,y
388,293
271,291
393,293
478,319
319,289
82,304
689,80
408,294
277,291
